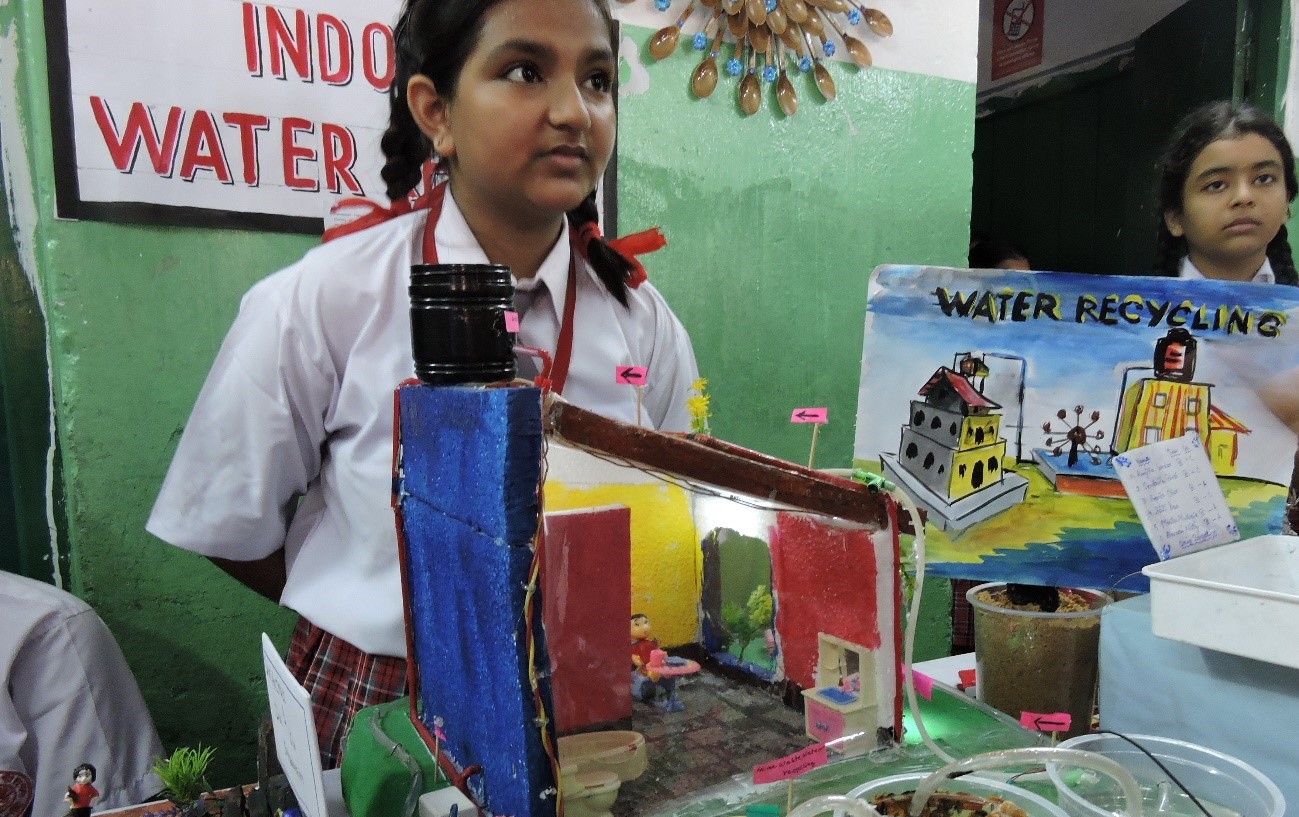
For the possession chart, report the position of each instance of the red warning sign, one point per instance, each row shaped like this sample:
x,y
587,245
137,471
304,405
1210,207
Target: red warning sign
x,y
1016,35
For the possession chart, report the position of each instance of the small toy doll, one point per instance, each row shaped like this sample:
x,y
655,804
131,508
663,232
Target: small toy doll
x,y
81,793
647,685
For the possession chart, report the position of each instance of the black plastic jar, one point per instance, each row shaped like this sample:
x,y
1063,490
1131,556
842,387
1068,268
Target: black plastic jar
x,y
457,323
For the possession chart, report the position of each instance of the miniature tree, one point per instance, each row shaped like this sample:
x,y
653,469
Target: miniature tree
x,y
743,624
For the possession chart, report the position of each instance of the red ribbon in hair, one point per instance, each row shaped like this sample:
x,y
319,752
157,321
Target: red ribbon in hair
x,y
354,214
629,246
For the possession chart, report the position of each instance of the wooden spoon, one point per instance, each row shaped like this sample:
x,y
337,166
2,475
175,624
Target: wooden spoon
x,y
738,24
704,79
814,25
786,98
792,36
664,41
824,82
777,21
878,22
796,9
858,51
750,94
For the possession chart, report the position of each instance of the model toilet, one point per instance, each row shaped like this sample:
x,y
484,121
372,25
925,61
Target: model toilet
x,y
622,753
587,794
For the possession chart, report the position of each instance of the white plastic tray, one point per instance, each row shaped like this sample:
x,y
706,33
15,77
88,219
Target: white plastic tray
x,y
1241,598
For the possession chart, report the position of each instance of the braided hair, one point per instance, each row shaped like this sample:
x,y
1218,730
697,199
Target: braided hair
x,y
1196,131
435,38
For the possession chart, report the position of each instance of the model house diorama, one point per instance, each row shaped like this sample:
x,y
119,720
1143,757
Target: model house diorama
x,y
492,686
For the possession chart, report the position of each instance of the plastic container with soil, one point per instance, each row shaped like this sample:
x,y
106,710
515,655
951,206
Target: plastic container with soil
x,y
1032,661
973,795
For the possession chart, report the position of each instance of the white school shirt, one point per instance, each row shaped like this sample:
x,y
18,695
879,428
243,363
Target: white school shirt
x,y
1265,275
299,403
69,698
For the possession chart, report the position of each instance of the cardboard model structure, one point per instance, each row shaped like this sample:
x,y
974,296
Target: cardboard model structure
x,y
468,480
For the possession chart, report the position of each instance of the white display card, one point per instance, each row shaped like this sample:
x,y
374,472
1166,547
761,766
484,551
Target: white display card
x,y
296,744
1177,496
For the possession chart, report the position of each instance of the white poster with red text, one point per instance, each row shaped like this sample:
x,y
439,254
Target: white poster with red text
x,y
218,112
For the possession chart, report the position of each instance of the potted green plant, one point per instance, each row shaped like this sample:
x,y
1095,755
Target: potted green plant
x,y
184,779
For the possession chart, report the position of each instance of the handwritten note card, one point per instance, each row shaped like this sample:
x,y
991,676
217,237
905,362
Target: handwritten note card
x,y
296,744
1177,496
791,766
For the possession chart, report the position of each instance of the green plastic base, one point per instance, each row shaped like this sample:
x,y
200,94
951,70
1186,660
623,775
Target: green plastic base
x,y
378,779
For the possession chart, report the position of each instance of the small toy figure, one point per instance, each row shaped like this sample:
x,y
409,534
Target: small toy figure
x,y
647,685
81,794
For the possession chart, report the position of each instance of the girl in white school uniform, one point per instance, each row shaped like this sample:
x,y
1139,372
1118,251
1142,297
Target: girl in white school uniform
x,y
1226,180
282,476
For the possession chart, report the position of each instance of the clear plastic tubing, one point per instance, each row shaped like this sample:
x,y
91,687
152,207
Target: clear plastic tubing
x,y
838,803
1041,754
913,618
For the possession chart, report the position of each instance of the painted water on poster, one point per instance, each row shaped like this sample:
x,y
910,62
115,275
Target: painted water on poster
x,y
998,400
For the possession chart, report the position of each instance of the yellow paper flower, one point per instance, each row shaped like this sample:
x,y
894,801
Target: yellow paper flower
x,y
697,406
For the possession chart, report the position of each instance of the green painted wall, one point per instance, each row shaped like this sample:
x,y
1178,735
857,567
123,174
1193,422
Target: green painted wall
x,y
133,318
774,226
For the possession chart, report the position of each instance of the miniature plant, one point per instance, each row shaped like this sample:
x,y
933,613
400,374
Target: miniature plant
x,y
697,406
744,623
184,775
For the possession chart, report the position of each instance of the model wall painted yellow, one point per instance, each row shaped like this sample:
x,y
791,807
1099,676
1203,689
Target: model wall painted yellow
x,y
962,485
990,424
665,558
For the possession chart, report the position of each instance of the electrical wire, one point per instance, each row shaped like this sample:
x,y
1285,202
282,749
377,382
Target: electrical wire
x,y
1172,777
543,720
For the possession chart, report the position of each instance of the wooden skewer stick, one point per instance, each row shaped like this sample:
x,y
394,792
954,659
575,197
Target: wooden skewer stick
x,y
811,457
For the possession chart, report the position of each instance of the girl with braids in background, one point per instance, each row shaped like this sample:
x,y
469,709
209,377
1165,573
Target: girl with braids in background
x,y
283,474
1226,180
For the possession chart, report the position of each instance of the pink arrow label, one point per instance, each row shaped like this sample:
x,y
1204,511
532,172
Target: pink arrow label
x,y
790,766
1051,722
631,375
923,683
810,415
511,321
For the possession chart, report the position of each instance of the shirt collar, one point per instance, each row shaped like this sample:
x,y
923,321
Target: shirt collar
x,y
456,240
1265,275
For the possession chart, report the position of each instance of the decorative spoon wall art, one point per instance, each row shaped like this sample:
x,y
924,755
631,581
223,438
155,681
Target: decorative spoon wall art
x,y
767,41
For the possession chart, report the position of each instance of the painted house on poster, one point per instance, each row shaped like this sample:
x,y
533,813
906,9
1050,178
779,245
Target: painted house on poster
x,y
1155,410
951,457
